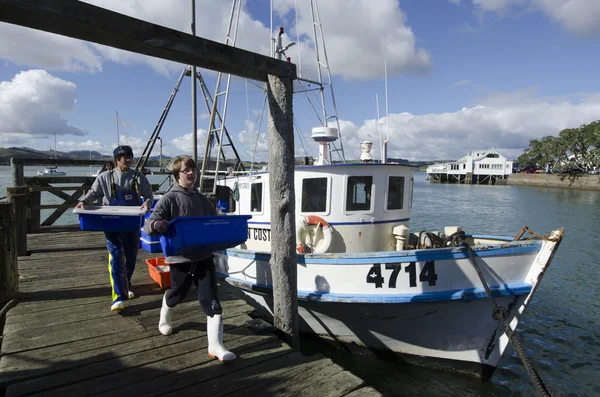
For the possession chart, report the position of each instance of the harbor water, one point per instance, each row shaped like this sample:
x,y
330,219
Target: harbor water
x,y
561,329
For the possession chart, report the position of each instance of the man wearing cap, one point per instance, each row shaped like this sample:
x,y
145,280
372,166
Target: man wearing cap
x,y
121,186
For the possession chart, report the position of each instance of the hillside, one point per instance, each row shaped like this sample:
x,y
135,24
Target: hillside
x,y
7,153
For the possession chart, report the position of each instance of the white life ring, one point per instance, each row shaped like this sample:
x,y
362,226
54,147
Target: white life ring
x,y
321,242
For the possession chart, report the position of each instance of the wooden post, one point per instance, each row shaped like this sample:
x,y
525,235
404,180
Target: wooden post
x,y
16,168
283,208
18,196
9,275
34,200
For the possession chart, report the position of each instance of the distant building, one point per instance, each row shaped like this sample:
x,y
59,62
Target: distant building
x,y
477,167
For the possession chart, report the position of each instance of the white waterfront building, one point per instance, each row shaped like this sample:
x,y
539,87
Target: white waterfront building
x,y
477,167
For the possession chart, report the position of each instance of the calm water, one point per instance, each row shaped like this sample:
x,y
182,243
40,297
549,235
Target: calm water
x,y
561,329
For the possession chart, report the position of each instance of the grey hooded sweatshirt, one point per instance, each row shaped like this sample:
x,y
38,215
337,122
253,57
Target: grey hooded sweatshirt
x,y
180,202
123,180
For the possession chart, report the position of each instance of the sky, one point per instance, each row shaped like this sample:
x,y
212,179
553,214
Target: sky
x,y
461,75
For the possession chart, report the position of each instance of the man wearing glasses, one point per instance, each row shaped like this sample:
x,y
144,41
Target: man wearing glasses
x,y
121,186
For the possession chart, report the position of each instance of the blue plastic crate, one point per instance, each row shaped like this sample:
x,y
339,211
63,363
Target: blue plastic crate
x,y
156,198
110,218
153,239
150,246
196,234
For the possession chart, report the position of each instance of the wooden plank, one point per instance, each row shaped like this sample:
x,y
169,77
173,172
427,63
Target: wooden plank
x,y
144,354
56,228
166,378
36,338
293,379
32,364
90,23
52,162
37,180
183,356
365,392
265,373
49,188
72,204
336,385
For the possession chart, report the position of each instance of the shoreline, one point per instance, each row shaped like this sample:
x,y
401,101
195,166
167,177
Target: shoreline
x,y
581,182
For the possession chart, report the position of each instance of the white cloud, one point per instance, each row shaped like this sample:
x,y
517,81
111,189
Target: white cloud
x,y
499,6
581,17
185,144
68,146
32,105
34,48
461,82
374,32
358,38
505,121
578,16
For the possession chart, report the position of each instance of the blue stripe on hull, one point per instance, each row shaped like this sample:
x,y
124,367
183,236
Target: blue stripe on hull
x,y
346,223
365,258
452,295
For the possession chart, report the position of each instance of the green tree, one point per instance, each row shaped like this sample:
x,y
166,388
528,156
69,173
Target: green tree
x,y
574,147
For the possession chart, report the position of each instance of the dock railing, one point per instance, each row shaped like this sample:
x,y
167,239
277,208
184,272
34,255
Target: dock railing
x,y
26,196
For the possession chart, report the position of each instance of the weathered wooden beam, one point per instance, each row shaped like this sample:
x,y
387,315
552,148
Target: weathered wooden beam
x,y
70,202
283,208
90,23
34,200
51,189
17,171
9,274
39,180
18,196
37,161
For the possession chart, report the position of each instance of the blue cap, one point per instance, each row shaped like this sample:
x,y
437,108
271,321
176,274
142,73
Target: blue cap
x,y
122,150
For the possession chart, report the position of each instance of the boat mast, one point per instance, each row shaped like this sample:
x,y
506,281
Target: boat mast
x,y
118,133
194,106
316,21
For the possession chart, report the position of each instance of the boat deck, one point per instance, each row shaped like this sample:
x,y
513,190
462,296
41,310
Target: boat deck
x,y
62,339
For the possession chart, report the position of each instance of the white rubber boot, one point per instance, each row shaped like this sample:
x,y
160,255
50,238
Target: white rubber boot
x,y
164,325
214,331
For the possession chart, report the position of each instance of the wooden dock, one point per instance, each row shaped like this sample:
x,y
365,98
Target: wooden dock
x,y
62,339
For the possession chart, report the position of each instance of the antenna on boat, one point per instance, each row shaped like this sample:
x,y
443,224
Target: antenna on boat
x,y
379,130
387,112
118,133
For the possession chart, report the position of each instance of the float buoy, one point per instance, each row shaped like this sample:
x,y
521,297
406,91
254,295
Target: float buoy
x,y
318,245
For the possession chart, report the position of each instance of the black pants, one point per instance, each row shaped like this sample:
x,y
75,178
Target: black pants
x,y
202,273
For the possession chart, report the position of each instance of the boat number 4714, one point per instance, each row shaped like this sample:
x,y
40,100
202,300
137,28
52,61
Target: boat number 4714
x,y
427,274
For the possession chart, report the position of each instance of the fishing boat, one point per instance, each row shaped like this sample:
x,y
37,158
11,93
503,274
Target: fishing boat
x,y
444,299
365,279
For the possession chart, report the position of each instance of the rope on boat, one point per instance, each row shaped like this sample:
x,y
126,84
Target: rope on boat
x,y
500,314
549,237
453,240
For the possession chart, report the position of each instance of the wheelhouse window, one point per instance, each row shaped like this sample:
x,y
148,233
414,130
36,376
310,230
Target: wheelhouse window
x,y
358,196
395,196
314,195
256,193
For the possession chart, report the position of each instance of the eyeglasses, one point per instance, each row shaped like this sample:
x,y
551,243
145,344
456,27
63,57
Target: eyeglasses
x,y
189,171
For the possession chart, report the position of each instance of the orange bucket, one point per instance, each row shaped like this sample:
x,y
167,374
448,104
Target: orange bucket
x,y
159,271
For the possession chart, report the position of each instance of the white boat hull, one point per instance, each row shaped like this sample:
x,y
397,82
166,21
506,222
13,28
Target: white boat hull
x,y
428,306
